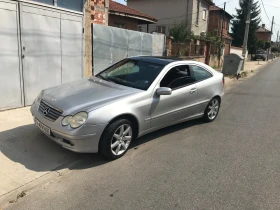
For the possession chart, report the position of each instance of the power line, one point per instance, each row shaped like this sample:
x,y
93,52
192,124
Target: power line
x,y
271,6
265,11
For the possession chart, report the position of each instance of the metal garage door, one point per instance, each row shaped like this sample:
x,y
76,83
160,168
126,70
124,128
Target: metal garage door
x,y
10,62
40,47
52,43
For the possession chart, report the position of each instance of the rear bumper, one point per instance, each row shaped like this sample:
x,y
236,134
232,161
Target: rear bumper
x,y
82,140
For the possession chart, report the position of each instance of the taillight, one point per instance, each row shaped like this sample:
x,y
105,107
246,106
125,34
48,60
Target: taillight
x,y
223,80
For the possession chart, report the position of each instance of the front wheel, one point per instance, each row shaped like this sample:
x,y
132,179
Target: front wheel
x,y
212,110
116,139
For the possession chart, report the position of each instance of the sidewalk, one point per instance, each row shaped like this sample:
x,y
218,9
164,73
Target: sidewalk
x,y
26,154
250,69
28,158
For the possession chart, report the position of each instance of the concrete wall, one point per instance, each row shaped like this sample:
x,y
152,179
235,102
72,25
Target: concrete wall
x,y
130,23
202,23
173,12
167,12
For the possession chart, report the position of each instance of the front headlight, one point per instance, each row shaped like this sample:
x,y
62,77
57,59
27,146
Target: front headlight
x,y
37,100
75,121
66,120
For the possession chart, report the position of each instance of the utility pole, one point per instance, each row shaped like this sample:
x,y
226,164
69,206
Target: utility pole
x,y
277,39
269,50
220,50
247,28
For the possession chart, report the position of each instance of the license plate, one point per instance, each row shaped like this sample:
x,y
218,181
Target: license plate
x,y
42,127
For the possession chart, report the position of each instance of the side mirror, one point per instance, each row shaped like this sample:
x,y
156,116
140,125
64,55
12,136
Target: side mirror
x,y
164,91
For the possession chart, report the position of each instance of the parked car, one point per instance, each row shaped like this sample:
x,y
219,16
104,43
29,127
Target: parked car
x,y
129,99
260,55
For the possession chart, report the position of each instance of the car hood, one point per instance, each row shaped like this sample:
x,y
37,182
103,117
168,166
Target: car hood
x,y
85,95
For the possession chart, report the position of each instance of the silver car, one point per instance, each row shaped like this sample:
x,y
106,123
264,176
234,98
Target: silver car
x,y
129,99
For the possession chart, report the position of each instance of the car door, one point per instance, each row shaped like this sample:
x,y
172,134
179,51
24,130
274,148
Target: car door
x,y
167,109
204,85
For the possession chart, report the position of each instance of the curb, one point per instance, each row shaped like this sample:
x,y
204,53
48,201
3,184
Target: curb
x,y
14,195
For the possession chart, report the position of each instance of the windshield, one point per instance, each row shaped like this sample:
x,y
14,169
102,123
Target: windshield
x,y
132,73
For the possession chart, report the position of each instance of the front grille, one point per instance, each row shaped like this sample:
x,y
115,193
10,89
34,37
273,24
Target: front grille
x,y
49,112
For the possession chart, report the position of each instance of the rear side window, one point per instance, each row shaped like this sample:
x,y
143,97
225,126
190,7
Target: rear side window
x,y
200,73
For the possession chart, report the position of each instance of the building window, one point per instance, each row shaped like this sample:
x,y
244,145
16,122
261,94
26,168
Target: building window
x,y
76,5
197,12
51,2
160,29
204,14
120,25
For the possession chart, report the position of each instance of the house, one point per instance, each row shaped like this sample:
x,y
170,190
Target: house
x,y
264,34
218,26
193,12
122,16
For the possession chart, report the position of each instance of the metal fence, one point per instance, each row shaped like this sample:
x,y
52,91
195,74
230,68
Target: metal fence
x,y
111,45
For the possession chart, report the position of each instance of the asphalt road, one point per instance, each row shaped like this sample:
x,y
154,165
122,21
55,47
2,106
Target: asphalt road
x,y
232,163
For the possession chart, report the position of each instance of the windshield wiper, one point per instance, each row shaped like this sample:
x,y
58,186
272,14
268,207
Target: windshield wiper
x,y
106,79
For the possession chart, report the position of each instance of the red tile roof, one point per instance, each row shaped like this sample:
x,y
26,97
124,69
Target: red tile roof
x,y
216,8
120,8
261,29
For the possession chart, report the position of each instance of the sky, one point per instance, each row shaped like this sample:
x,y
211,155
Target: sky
x,y
272,8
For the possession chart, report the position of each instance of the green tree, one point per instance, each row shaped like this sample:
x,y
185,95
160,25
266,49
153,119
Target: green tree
x,y
239,23
180,32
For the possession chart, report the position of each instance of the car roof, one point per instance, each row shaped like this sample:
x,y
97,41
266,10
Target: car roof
x,y
156,59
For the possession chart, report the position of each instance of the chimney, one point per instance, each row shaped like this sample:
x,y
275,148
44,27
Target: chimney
x,y
263,25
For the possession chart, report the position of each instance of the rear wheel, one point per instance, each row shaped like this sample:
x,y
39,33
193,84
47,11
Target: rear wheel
x,y
212,110
116,139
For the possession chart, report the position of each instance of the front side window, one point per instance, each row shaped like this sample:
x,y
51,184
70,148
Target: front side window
x,y
132,73
177,77
200,73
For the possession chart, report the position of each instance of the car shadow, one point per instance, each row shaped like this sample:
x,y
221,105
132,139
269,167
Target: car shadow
x,y
27,146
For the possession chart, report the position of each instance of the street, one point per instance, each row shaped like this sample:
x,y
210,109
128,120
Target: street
x,y
232,163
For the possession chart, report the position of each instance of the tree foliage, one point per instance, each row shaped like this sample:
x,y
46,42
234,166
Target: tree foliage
x,y
180,32
239,24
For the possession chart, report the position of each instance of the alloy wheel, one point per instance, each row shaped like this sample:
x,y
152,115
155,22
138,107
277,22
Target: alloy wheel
x,y
213,109
121,139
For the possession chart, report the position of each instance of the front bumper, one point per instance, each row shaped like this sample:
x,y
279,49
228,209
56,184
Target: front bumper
x,y
82,140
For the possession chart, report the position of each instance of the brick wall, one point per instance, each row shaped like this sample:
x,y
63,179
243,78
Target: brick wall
x,y
263,36
98,13
129,23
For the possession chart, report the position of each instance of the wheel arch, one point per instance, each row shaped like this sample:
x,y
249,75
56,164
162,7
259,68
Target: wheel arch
x,y
132,118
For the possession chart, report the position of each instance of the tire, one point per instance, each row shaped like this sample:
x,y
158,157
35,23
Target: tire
x,y
116,139
214,108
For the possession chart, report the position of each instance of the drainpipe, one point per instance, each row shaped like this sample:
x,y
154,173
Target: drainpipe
x,y
106,12
187,14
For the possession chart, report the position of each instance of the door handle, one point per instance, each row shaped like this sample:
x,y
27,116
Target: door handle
x,y
193,90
